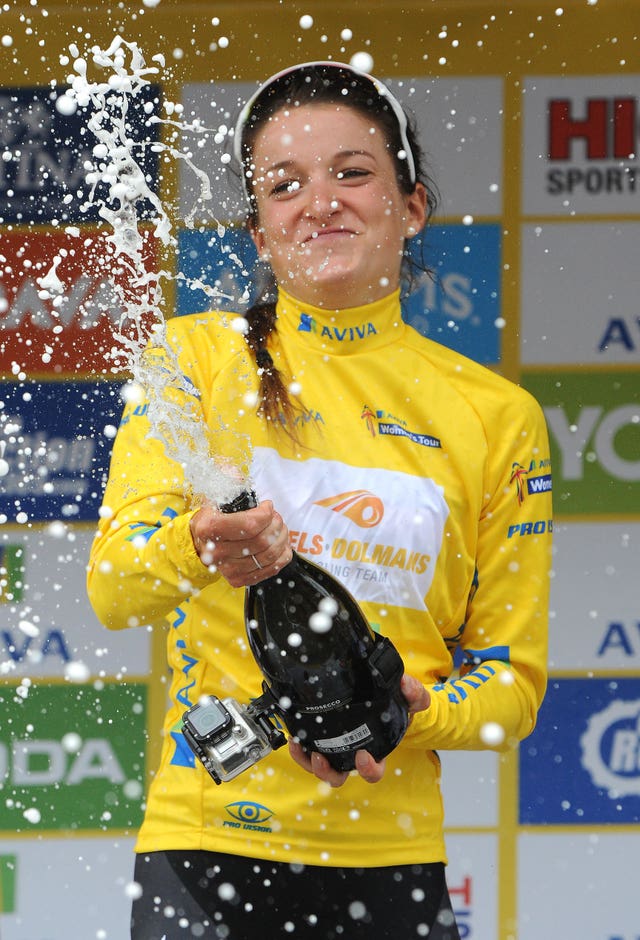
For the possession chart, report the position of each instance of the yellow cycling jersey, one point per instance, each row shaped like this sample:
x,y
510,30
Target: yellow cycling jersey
x,y
417,477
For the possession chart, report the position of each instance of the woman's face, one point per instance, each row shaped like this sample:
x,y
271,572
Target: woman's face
x,y
331,219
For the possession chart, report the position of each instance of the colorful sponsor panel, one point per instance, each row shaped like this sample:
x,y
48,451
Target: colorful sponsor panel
x,y
72,756
459,121
46,152
594,429
470,788
60,312
458,304
58,442
582,763
595,597
226,261
578,885
454,296
472,883
570,313
47,627
580,145
66,889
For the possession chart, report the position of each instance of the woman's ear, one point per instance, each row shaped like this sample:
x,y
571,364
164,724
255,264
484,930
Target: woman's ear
x,y
416,210
257,237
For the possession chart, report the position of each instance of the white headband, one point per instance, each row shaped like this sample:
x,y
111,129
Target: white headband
x,y
381,89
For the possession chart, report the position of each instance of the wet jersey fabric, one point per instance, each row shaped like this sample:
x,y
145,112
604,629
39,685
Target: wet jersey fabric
x,y
418,478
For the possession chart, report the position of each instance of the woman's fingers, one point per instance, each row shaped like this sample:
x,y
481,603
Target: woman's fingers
x,y
318,765
245,547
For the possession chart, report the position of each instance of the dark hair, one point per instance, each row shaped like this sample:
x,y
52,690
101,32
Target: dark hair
x,y
318,83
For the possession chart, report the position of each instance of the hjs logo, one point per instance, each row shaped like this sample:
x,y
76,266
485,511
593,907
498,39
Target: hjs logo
x,y
607,128
601,129
611,749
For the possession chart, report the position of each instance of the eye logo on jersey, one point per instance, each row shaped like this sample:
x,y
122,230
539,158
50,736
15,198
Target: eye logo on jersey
x,y
387,425
248,815
527,485
360,506
610,748
246,811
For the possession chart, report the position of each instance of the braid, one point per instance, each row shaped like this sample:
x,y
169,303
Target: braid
x,y
275,404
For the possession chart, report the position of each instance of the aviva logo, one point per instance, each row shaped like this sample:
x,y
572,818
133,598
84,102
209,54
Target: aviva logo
x,y
8,869
360,506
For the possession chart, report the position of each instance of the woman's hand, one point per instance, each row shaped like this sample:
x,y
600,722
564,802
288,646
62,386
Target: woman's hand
x,y
245,547
418,700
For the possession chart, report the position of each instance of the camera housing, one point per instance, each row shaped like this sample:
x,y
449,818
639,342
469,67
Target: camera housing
x,y
228,737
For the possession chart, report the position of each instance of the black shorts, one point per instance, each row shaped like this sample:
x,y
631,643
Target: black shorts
x,y
225,897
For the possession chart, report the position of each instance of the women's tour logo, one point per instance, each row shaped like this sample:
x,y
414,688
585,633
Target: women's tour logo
x,y
530,485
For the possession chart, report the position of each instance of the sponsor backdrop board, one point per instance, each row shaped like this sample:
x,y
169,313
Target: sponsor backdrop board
x,y
72,756
83,886
71,332
594,427
470,789
47,626
571,313
45,151
578,884
594,596
471,876
580,154
580,765
530,125
58,438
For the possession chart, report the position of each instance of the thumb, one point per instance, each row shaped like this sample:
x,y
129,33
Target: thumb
x,y
418,698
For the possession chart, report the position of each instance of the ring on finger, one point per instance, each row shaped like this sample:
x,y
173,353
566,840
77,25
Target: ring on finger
x,y
256,562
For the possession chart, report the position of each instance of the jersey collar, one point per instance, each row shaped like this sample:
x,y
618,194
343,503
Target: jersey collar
x,y
341,332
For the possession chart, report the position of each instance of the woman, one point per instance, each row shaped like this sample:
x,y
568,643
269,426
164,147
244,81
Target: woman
x,y
396,463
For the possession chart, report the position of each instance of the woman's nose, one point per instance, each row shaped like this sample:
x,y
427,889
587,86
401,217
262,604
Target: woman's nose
x,y
322,199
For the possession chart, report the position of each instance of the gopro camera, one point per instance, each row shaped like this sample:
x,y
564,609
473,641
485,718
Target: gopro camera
x,y
229,737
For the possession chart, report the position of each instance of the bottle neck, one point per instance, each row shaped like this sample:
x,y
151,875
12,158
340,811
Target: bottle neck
x,y
245,500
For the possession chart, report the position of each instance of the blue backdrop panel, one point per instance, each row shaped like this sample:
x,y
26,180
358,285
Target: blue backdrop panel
x,y
582,763
58,443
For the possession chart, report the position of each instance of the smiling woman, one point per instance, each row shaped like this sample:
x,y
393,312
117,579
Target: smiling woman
x,y
330,217
391,461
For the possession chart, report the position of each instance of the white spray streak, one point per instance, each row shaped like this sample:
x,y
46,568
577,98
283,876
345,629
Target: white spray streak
x,y
173,408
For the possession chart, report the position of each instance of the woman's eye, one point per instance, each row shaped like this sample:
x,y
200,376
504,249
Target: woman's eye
x,y
351,173
286,187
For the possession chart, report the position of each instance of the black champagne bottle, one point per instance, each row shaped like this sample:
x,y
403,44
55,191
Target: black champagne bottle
x,y
335,683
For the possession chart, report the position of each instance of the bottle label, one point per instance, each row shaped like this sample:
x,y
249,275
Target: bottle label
x,y
344,741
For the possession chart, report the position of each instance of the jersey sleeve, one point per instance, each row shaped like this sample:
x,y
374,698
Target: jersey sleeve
x,y
143,562
494,700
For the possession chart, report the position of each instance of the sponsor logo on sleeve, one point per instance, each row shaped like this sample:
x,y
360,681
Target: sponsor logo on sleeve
x,y
527,482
